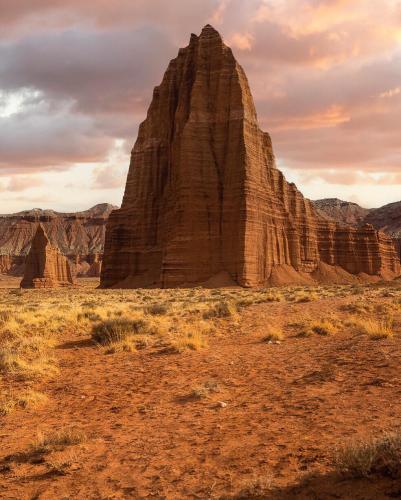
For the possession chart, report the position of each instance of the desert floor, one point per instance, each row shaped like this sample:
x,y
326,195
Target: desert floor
x,y
198,394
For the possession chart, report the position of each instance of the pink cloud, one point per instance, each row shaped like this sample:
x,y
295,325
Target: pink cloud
x,y
24,182
325,75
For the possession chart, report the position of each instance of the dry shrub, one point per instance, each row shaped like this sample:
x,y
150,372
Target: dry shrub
x,y
303,297
257,487
59,440
274,334
157,309
324,327
5,315
221,309
190,337
356,308
17,363
380,456
126,345
25,399
376,328
117,330
203,391
61,463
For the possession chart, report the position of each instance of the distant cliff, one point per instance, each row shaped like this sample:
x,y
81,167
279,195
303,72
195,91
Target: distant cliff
x,y
78,235
386,218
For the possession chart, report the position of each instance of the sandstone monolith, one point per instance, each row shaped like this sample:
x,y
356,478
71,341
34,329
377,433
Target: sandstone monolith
x,y
204,201
45,267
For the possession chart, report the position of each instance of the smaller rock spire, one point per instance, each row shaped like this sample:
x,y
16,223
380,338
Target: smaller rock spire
x,y
45,267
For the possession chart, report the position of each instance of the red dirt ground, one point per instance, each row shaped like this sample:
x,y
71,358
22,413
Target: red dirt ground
x,y
289,406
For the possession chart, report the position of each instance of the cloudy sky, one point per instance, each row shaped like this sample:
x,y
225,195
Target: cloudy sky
x,y
76,79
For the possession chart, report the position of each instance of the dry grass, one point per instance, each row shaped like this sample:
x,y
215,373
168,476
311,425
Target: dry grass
x,y
61,463
221,309
26,399
255,487
32,323
375,328
305,296
274,334
380,456
125,345
205,390
157,309
46,443
118,330
189,338
324,327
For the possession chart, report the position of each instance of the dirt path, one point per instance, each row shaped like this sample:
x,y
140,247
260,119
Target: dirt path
x,y
286,407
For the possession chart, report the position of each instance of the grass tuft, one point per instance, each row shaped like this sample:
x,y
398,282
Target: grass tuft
x,y
381,456
117,330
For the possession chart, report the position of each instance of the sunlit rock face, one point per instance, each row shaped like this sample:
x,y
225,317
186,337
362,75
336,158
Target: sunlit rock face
x,y
45,267
204,201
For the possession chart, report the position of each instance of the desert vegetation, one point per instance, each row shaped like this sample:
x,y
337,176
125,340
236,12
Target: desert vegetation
x,y
377,455
80,366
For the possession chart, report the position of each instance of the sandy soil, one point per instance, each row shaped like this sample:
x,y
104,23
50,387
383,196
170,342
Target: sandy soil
x,y
286,407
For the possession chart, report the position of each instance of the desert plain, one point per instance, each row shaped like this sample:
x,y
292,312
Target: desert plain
x,y
225,393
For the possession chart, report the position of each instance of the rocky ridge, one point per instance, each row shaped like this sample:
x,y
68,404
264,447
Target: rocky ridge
x,y
342,211
205,203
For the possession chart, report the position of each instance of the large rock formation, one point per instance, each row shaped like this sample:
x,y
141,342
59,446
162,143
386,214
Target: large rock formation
x,y
204,197
45,266
79,236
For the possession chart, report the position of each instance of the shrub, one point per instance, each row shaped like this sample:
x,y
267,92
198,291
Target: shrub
x,y
126,345
117,330
323,327
89,315
46,443
256,487
274,334
376,328
377,456
26,399
305,297
221,309
189,337
157,309
5,315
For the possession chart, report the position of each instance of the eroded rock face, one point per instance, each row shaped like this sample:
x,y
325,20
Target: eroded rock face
x,y
45,267
204,197
79,236
386,219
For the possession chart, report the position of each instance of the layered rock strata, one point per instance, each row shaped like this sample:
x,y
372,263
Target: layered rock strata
x,y
386,219
45,267
79,236
204,197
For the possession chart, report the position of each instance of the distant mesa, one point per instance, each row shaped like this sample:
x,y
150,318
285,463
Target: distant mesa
x,y
45,266
205,203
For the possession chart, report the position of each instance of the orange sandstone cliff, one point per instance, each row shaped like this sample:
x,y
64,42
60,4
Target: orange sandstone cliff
x,y
45,267
79,236
205,203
